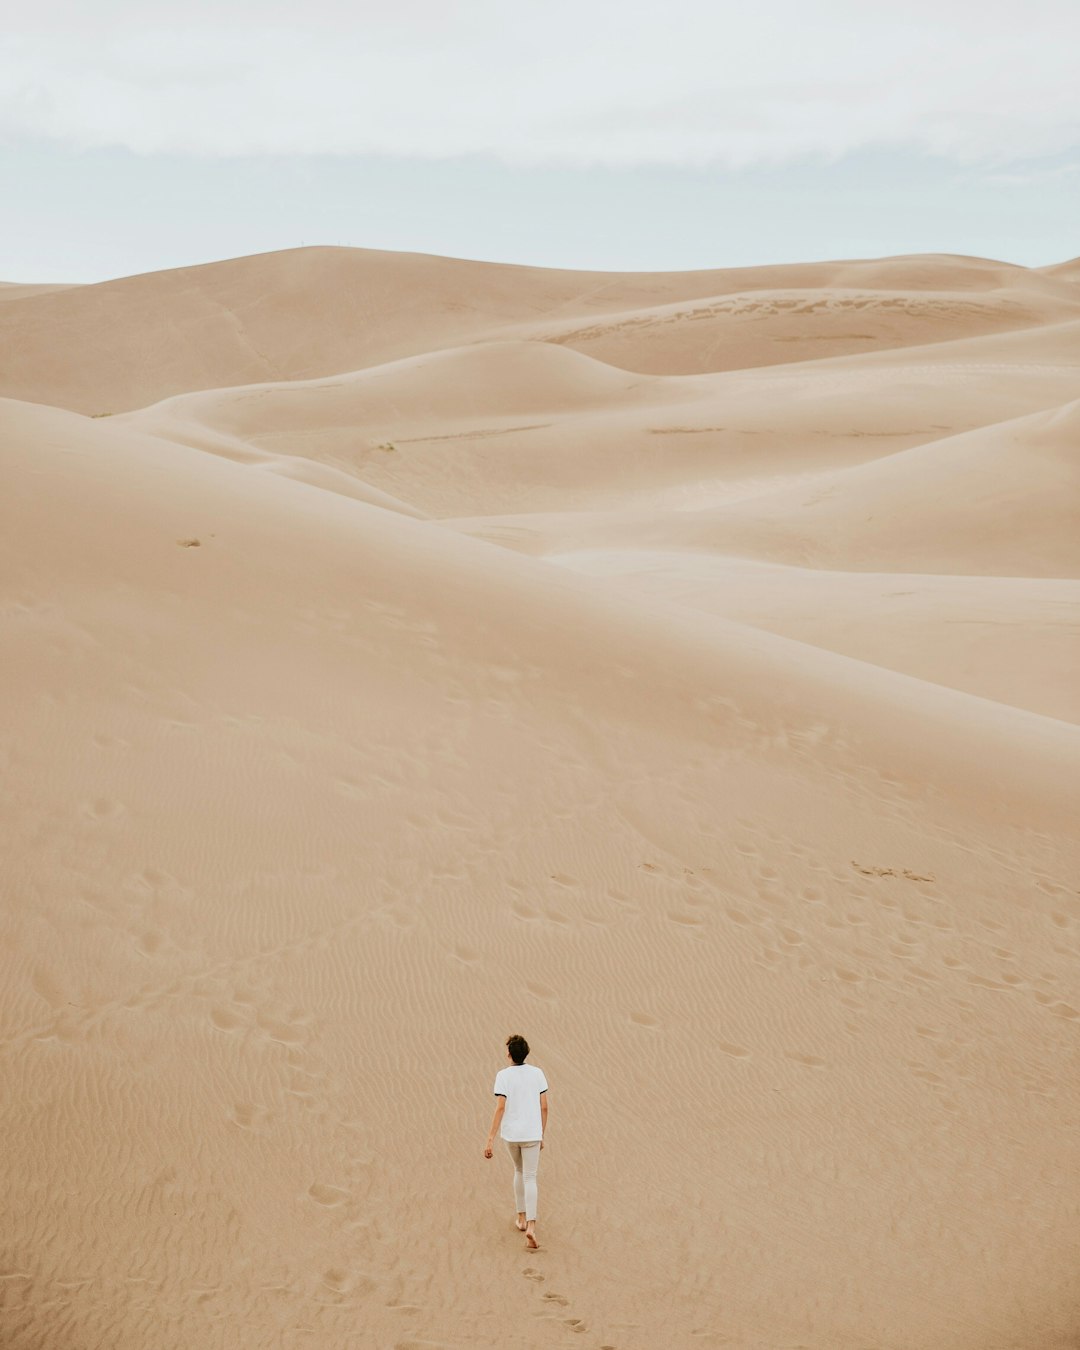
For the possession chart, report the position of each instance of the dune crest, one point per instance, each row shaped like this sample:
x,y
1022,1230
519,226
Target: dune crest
x,y
306,313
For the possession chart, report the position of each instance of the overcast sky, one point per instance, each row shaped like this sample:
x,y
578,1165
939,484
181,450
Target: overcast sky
x,y
678,134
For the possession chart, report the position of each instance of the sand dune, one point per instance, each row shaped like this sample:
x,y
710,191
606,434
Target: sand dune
x,y
494,427
763,328
15,290
290,315
718,731
304,313
998,501
1068,271
984,635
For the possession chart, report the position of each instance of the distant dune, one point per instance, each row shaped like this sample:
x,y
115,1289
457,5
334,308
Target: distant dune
x,y
12,290
682,670
311,312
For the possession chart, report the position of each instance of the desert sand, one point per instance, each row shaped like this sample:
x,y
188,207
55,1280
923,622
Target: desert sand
x,y
682,670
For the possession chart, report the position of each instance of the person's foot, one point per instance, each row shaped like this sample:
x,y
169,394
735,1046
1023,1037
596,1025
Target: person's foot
x,y
519,1223
530,1235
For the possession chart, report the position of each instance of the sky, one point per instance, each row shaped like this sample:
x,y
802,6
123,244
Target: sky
x,y
629,136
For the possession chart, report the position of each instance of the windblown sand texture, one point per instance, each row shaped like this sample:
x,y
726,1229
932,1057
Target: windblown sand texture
x,y
679,669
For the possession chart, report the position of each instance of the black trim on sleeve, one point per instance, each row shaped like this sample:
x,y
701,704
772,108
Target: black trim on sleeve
x,y
542,1091
501,1094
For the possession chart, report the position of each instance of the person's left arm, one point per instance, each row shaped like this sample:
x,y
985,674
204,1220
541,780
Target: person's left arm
x,y
496,1121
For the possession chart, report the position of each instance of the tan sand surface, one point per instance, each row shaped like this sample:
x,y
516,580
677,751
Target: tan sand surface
x,y
17,290
303,313
406,673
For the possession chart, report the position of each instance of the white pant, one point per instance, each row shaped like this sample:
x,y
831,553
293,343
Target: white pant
x,y
526,1156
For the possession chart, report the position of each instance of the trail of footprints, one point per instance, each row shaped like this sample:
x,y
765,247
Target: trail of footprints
x,y
128,908
911,943
555,1306
701,894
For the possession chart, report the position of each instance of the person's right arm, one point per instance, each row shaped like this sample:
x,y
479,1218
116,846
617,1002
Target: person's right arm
x,y
543,1116
496,1121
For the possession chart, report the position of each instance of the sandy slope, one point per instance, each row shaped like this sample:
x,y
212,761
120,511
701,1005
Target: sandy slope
x,y
761,327
999,501
122,344
757,816
959,631
485,428
15,290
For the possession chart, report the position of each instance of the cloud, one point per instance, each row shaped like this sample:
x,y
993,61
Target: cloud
x,y
685,82
1034,173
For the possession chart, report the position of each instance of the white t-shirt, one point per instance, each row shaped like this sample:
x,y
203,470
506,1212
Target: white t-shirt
x,y
521,1085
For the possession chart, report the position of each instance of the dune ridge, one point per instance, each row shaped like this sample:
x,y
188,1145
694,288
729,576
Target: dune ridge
x,y
388,681
122,344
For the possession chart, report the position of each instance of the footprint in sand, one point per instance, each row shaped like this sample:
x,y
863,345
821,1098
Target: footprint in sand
x,y
225,1019
245,1115
102,808
1049,887
811,1061
285,1033
326,1195
983,982
47,988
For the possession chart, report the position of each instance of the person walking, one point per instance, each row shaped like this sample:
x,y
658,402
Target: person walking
x,y
521,1113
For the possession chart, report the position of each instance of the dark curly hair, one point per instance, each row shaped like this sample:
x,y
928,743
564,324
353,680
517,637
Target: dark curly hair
x,y
518,1047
